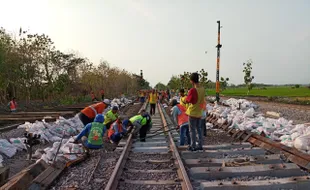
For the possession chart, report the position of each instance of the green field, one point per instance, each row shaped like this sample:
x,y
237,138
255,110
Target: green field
x,y
268,92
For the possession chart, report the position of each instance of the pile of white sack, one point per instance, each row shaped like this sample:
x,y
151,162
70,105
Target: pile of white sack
x,y
244,117
52,133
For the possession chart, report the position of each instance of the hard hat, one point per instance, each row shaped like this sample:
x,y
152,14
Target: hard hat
x,y
106,101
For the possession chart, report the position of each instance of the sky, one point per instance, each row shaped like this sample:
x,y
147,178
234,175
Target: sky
x,y
165,38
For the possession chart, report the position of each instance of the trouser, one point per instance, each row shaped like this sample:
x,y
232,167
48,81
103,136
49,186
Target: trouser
x,y
195,126
153,107
184,132
137,127
204,127
87,146
116,137
143,130
85,120
142,99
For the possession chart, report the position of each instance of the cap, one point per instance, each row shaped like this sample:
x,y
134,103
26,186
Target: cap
x,y
106,101
114,108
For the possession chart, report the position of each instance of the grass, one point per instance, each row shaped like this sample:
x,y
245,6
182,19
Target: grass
x,y
268,92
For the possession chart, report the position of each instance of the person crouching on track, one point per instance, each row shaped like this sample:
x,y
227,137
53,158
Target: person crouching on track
x,y
88,114
110,117
117,130
92,134
142,123
181,119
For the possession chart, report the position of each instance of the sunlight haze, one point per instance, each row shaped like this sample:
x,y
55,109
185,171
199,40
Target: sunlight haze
x,y
174,35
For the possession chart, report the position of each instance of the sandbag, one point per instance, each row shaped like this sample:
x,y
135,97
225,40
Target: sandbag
x,y
7,148
302,142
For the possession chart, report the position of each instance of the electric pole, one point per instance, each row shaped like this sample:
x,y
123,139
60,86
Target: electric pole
x,y
219,45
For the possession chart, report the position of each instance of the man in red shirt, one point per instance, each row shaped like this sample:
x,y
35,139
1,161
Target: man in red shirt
x,y
195,99
102,94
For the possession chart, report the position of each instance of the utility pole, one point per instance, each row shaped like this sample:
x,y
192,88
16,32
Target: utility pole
x,y
141,77
219,45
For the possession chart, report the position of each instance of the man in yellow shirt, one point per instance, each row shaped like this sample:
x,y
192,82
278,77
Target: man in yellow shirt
x,y
153,100
195,99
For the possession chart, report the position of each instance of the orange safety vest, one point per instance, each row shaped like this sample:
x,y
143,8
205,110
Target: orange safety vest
x,y
12,106
92,110
112,131
182,118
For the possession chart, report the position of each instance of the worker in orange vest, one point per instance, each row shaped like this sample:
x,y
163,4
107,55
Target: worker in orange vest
x,y
88,114
181,119
117,130
13,105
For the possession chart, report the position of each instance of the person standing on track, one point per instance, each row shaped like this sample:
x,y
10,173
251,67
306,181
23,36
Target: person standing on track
x,y
181,119
12,105
153,100
88,114
111,116
195,99
93,97
117,130
102,94
92,134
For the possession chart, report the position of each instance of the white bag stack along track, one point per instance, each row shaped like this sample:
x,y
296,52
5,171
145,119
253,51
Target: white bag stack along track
x,y
52,133
244,117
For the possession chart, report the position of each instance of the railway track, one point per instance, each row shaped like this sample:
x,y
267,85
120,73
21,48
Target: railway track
x,y
249,161
154,164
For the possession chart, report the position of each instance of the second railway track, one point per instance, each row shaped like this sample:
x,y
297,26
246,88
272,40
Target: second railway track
x,y
159,163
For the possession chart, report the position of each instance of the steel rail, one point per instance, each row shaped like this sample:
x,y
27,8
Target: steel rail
x,y
292,154
184,176
114,179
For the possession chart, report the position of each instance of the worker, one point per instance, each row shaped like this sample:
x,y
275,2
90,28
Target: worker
x,y
111,116
12,105
102,94
88,114
118,130
153,100
92,134
183,98
93,97
181,119
168,94
142,96
142,123
195,99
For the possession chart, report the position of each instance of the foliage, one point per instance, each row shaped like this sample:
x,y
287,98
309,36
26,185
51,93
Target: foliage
x,y
224,83
281,91
32,68
160,86
183,80
247,75
297,85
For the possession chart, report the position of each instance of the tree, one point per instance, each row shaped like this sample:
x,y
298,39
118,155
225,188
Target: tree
x,y
224,83
174,83
247,70
160,86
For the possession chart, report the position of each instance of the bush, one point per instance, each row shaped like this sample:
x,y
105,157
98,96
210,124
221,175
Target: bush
x,y
297,86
